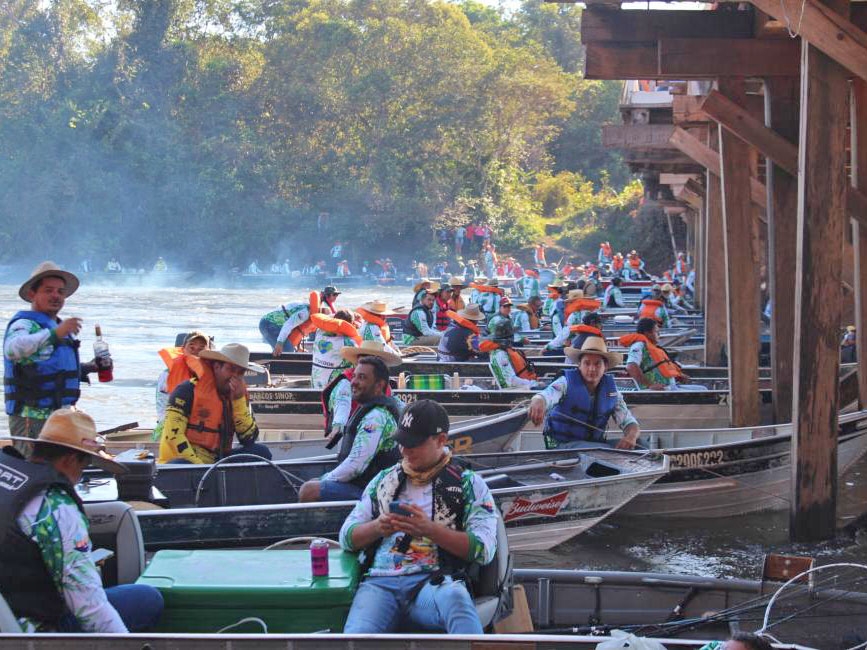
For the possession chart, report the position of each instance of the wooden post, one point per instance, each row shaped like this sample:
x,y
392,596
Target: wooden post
x,y
822,214
781,115
715,297
859,232
742,266
699,257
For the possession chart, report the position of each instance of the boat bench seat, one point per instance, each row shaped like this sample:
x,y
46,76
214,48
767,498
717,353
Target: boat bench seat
x,y
114,526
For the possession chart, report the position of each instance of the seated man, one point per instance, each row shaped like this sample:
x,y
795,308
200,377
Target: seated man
x,y
649,364
460,342
418,329
196,428
525,318
503,315
367,441
509,366
47,574
411,561
333,333
654,307
580,403
591,325
613,296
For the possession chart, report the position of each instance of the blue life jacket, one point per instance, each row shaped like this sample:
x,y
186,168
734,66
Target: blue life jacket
x,y
45,384
568,420
560,311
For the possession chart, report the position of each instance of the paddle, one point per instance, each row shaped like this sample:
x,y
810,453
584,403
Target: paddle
x,y
122,427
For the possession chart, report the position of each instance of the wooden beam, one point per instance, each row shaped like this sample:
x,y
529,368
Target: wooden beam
x,y
716,293
620,61
749,129
822,213
781,96
681,58
771,144
824,29
859,231
652,157
690,58
708,158
695,187
686,110
742,264
630,26
637,136
675,179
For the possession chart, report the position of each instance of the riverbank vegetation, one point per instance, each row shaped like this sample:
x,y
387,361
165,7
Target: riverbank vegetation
x,y
216,131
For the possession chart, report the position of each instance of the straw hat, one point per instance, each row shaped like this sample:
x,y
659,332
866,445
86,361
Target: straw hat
x,y
44,270
420,285
457,283
472,312
377,308
234,353
666,288
481,279
557,284
370,349
594,345
76,430
575,294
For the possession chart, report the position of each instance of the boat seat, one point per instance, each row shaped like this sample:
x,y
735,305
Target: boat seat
x,y
8,621
493,581
114,526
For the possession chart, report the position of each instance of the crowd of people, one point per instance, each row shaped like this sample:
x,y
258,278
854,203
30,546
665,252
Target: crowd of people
x,y
421,518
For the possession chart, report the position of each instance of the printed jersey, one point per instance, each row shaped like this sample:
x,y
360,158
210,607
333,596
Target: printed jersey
x,y
27,342
479,521
375,434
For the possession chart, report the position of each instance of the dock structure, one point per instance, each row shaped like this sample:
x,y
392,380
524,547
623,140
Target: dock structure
x,y
749,122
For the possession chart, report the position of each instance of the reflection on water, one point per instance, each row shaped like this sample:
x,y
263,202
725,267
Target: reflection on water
x,y
138,321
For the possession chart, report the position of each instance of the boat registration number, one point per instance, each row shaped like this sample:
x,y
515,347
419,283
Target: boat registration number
x,y
696,458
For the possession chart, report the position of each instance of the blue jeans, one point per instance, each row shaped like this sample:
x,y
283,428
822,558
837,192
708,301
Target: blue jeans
x,y
139,607
380,606
270,331
337,491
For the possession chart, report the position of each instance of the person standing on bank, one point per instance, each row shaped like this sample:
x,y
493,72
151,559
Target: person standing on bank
x,y
577,406
367,443
412,558
47,574
205,414
42,370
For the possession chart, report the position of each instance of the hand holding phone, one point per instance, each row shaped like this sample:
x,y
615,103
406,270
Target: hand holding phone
x,y
398,508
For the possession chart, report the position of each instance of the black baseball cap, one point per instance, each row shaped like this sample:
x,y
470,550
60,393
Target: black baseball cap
x,y
420,421
331,290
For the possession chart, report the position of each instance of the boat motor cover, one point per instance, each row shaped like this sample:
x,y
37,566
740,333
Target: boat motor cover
x,y
207,590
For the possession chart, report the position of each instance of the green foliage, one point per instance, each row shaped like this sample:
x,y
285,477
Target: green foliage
x,y
215,131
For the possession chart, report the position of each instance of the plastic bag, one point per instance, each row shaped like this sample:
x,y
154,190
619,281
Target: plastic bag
x,y
620,640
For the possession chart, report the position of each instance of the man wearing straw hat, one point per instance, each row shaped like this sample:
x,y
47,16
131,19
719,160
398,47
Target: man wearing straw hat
x,y
42,371
460,342
205,414
47,574
456,302
375,327
577,406
367,438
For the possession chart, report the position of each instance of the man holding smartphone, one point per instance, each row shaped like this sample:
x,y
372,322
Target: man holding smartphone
x,y
420,524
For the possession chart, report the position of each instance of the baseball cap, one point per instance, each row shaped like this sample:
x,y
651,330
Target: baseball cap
x,y
420,421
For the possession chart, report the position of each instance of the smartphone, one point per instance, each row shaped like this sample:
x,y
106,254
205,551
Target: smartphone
x,y
99,555
399,508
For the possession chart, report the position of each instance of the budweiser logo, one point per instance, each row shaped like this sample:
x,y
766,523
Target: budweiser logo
x,y
547,507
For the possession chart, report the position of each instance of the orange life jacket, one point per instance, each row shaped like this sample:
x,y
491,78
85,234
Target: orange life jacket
x,y
380,322
617,263
208,415
456,303
464,322
334,325
534,318
606,250
648,309
661,361
483,288
297,335
181,367
523,368
582,304
585,329
635,262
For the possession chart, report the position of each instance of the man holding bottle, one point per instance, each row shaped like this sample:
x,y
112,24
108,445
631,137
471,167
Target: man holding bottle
x,y
42,370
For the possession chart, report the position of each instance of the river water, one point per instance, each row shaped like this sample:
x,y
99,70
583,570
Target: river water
x,y
138,321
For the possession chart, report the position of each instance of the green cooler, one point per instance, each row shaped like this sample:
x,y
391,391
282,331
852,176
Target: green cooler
x,y
205,591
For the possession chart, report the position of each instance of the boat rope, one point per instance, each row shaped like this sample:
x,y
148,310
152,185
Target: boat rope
x,y
249,619
797,31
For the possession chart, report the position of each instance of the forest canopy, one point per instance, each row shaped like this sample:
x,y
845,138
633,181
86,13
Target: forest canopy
x,y
216,131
